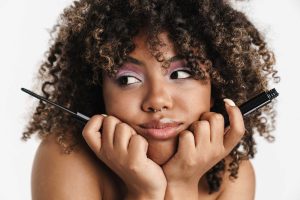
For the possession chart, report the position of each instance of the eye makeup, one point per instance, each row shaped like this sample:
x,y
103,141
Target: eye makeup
x,y
179,64
127,69
133,70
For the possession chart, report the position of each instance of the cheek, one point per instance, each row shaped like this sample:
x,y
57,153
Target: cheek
x,y
121,105
196,101
195,105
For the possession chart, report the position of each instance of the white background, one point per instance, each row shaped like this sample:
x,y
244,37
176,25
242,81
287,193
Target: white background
x,y
24,39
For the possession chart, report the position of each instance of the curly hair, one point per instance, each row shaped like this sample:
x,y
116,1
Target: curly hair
x,y
95,36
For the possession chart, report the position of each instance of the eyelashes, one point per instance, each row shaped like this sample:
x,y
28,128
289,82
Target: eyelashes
x,y
129,80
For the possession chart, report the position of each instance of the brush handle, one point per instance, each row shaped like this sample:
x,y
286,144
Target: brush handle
x,y
255,103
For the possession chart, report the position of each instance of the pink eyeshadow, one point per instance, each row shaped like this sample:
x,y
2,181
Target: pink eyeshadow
x,y
128,69
177,64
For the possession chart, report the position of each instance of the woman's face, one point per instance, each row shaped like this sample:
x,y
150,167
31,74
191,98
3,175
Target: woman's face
x,y
142,85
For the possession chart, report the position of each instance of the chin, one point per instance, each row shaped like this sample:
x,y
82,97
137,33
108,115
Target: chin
x,y
161,151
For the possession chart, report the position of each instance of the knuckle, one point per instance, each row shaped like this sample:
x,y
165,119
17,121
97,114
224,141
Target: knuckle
x,y
84,133
241,131
190,163
97,117
133,167
200,123
93,119
137,138
185,134
110,118
214,117
218,117
126,128
141,138
122,126
203,123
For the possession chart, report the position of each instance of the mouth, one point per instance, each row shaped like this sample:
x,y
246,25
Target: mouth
x,y
160,131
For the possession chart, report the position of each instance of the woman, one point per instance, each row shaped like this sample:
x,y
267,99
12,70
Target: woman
x,y
159,70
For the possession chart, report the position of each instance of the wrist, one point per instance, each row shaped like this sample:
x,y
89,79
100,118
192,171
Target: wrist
x,y
145,196
181,191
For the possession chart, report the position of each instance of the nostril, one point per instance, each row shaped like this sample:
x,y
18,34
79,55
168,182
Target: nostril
x,y
151,110
156,110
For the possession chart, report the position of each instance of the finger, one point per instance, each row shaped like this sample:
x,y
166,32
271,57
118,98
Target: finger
x,y
237,127
201,130
137,147
216,121
186,142
226,129
108,130
122,135
91,132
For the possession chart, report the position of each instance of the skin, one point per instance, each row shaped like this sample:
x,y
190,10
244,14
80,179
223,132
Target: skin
x,y
178,163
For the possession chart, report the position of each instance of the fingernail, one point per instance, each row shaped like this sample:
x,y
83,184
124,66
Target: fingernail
x,y
104,115
229,102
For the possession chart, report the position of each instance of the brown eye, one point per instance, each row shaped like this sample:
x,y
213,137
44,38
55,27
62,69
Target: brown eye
x,y
180,74
126,80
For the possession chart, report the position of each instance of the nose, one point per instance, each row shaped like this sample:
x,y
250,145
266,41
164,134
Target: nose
x,y
158,97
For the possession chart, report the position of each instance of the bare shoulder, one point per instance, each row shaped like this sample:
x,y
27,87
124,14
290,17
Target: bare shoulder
x,y
242,188
56,175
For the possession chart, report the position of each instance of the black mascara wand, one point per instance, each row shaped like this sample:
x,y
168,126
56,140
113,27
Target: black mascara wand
x,y
78,115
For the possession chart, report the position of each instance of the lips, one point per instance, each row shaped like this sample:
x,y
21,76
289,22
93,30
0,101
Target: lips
x,y
160,130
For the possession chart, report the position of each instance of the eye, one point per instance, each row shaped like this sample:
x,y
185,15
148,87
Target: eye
x,y
126,80
181,74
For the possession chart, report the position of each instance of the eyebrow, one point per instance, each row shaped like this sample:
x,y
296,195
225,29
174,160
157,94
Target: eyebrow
x,y
138,62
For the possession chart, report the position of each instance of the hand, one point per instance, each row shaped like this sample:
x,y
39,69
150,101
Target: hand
x,y
200,148
124,151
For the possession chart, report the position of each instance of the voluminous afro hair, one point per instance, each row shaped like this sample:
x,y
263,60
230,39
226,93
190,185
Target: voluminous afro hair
x,y
95,36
